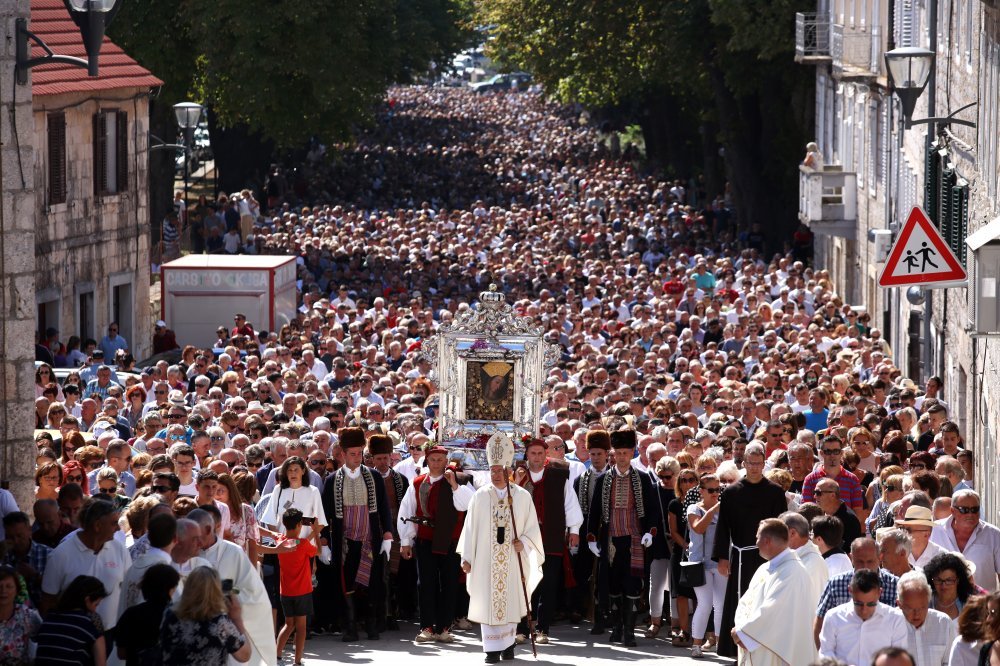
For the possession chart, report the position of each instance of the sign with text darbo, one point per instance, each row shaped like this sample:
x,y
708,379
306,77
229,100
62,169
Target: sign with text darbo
x,y
219,279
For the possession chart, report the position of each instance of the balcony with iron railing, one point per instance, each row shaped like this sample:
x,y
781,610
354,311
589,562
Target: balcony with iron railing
x,y
812,37
828,200
852,52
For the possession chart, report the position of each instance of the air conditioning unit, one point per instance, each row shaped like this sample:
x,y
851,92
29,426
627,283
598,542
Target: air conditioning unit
x,y
882,239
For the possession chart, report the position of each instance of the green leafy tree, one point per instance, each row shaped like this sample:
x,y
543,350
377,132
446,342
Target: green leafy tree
x,y
697,75
275,74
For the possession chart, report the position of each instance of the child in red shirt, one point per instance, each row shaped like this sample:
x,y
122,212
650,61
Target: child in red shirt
x,y
296,582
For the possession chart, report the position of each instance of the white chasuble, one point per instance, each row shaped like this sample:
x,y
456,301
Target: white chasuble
x,y
494,583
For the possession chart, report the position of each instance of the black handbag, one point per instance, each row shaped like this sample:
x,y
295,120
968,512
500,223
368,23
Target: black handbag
x,y
692,574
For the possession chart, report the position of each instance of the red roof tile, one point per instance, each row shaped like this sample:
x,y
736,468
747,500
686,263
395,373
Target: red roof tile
x,y
53,25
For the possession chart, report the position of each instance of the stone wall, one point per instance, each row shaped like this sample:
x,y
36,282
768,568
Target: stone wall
x,y
17,271
95,243
969,366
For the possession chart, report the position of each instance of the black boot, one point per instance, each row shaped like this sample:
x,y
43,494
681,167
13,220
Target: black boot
x,y
391,611
380,617
492,657
600,622
507,654
616,619
371,620
628,622
371,628
351,620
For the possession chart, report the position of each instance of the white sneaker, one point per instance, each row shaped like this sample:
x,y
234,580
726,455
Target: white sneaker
x,y
541,638
696,651
425,636
445,637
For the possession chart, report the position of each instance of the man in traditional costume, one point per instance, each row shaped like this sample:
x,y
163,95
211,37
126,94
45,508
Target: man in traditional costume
x,y
360,532
622,520
233,564
584,562
558,511
772,623
497,582
743,505
380,448
430,523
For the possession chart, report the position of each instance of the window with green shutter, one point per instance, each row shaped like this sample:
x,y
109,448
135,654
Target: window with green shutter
x,y
932,182
946,200
958,224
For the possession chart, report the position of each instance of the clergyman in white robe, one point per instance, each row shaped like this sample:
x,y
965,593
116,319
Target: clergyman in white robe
x,y
774,616
496,595
813,561
232,563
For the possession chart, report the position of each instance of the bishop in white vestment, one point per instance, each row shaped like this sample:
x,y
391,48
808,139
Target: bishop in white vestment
x,y
489,557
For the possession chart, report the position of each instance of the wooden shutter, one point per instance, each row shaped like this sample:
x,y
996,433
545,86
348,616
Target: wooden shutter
x,y
948,180
100,151
904,23
57,158
122,157
959,223
932,183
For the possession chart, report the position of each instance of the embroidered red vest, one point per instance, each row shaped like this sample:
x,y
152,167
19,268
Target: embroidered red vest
x,y
441,510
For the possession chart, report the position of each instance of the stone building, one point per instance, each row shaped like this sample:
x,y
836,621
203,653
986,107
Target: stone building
x,y
17,270
876,171
90,138
74,224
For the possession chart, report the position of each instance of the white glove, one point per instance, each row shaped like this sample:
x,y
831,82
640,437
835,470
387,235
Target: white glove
x,y
647,540
592,545
325,554
386,547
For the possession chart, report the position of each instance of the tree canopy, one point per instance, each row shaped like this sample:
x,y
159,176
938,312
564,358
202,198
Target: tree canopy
x,y
725,67
290,70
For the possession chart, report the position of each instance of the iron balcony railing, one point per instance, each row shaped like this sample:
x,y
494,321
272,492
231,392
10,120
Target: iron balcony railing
x,y
812,35
828,200
851,51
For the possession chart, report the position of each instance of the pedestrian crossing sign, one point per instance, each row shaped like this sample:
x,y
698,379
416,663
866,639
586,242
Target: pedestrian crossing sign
x,y
920,256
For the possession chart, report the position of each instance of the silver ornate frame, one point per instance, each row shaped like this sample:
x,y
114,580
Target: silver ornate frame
x,y
494,331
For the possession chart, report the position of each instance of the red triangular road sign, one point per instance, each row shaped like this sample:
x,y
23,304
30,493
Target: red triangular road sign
x,y
920,256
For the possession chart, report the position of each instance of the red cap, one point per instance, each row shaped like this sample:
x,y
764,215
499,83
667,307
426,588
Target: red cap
x,y
536,441
436,449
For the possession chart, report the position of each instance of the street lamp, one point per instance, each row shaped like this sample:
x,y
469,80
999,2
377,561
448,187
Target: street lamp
x,y
91,17
188,114
909,69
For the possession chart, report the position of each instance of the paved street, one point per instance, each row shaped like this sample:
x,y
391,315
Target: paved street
x,y
570,645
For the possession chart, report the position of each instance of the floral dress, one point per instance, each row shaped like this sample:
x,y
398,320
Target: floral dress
x,y
198,642
15,632
245,530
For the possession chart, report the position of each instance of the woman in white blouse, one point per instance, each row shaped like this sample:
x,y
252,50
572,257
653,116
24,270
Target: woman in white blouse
x,y
293,490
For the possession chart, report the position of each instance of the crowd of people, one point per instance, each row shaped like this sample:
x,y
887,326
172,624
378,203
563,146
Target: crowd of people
x,y
727,457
